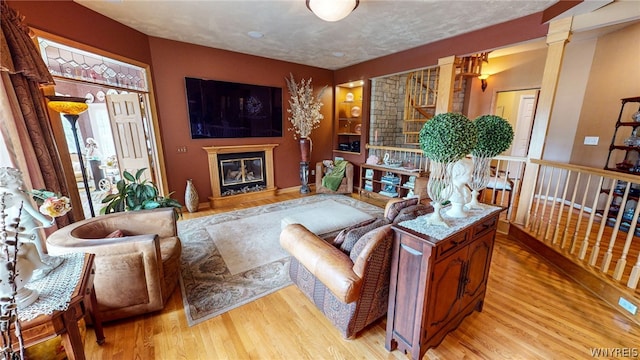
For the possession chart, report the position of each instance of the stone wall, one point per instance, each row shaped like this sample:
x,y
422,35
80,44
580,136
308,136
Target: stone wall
x,y
387,109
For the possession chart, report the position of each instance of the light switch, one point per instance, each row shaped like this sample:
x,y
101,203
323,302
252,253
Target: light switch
x,y
591,140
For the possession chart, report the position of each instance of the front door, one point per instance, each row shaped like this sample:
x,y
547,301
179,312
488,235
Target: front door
x,y
125,115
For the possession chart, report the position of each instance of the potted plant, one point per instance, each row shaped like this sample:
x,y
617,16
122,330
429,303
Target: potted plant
x,y
304,108
445,139
495,135
135,193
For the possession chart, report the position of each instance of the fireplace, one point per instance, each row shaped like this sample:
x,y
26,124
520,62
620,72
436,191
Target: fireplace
x,y
239,173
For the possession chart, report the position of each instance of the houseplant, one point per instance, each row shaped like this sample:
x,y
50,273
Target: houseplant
x,y
135,193
445,139
495,135
305,116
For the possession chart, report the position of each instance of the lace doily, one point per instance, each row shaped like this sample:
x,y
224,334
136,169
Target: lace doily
x,y
55,289
439,232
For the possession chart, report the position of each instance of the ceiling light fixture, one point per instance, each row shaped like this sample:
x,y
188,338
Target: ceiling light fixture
x,y
332,10
255,34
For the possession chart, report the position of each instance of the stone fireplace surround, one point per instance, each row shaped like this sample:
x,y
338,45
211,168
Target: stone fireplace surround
x,y
214,173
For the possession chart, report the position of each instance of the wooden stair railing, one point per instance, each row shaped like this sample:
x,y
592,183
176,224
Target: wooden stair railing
x,y
572,221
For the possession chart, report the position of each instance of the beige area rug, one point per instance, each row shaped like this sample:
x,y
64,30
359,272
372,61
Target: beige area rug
x,y
233,258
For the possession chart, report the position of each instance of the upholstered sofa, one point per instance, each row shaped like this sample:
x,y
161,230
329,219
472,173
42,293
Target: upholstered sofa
x,y
137,258
346,186
347,277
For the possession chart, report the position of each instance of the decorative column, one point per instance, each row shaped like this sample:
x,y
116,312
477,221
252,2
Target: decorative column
x,y
557,37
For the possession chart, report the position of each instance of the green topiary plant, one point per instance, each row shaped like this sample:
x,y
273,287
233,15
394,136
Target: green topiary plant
x,y
448,137
445,139
137,194
495,135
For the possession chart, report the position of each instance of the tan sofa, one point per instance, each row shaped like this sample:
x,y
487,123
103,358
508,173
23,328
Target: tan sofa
x,y
347,278
137,258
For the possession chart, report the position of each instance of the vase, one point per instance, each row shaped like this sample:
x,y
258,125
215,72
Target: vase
x,y
479,180
439,190
191,198
305,149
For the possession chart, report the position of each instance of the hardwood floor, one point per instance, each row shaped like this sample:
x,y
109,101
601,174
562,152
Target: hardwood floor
x,y
531,311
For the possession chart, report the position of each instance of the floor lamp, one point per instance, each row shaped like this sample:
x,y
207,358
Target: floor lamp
x,y
71,108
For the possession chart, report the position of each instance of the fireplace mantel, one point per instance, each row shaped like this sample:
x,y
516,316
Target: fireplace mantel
x,y
214,168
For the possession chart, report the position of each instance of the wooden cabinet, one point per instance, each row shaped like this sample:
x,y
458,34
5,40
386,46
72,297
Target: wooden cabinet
x,y
625,145
384,182
436,283
349,115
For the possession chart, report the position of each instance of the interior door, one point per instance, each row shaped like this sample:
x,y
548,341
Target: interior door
x,y
524,123
125,116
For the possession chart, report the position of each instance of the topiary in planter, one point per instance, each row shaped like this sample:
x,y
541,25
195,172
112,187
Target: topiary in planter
x,y
445,139
448,137
495,135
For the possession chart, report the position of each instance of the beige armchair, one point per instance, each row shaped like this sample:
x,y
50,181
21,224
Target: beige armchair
x,y
137,258
346,186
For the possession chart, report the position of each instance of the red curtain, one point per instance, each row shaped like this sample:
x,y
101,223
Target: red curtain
x,y
20,59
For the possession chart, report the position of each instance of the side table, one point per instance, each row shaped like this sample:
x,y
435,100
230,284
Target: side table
x,y
438,277
65,322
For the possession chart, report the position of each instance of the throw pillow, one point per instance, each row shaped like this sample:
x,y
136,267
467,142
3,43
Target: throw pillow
x,y
355,234
328,166
339,239
412,212
362,243
115,234
394,208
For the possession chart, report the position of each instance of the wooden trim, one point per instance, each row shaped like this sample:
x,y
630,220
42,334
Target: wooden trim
x,y
158,163
212,154
446,83
590,280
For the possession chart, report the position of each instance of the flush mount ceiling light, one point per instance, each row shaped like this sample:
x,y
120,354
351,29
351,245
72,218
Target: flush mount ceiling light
x,y
332,10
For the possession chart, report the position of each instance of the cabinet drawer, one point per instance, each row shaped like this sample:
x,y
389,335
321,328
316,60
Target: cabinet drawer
x,y
451,244
485,227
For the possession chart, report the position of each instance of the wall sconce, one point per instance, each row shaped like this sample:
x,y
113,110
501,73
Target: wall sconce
x,y
332,10
483,81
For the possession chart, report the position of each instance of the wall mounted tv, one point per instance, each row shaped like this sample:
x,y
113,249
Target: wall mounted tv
x,y
220,109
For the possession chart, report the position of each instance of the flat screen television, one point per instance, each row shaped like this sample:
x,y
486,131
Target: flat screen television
x,y
220,109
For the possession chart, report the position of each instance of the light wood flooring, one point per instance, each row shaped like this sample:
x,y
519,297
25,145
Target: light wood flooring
x,y
531,311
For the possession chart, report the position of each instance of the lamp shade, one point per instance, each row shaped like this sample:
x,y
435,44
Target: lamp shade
x,y
67,104
332,10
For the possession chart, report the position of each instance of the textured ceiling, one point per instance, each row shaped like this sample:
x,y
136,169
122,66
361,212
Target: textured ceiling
x,y
292,33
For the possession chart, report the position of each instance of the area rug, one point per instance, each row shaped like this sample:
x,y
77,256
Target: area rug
x,y
233,258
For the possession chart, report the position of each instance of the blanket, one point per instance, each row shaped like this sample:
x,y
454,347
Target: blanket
x,y
333,179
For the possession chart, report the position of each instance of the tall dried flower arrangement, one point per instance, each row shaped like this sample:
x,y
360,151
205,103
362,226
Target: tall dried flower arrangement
x,y
8,305
303,107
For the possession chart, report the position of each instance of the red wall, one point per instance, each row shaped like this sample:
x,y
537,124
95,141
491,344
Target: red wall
x,y
173,60
75,22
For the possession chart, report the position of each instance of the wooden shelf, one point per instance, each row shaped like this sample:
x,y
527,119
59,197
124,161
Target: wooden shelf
x,y
379,185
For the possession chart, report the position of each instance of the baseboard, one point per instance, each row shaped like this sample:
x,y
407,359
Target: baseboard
x,y
594,282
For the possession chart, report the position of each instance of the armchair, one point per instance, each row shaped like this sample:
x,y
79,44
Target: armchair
x,y
352,291
346,186
137,258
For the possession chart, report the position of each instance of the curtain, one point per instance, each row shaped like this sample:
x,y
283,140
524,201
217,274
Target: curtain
x,y
26,71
